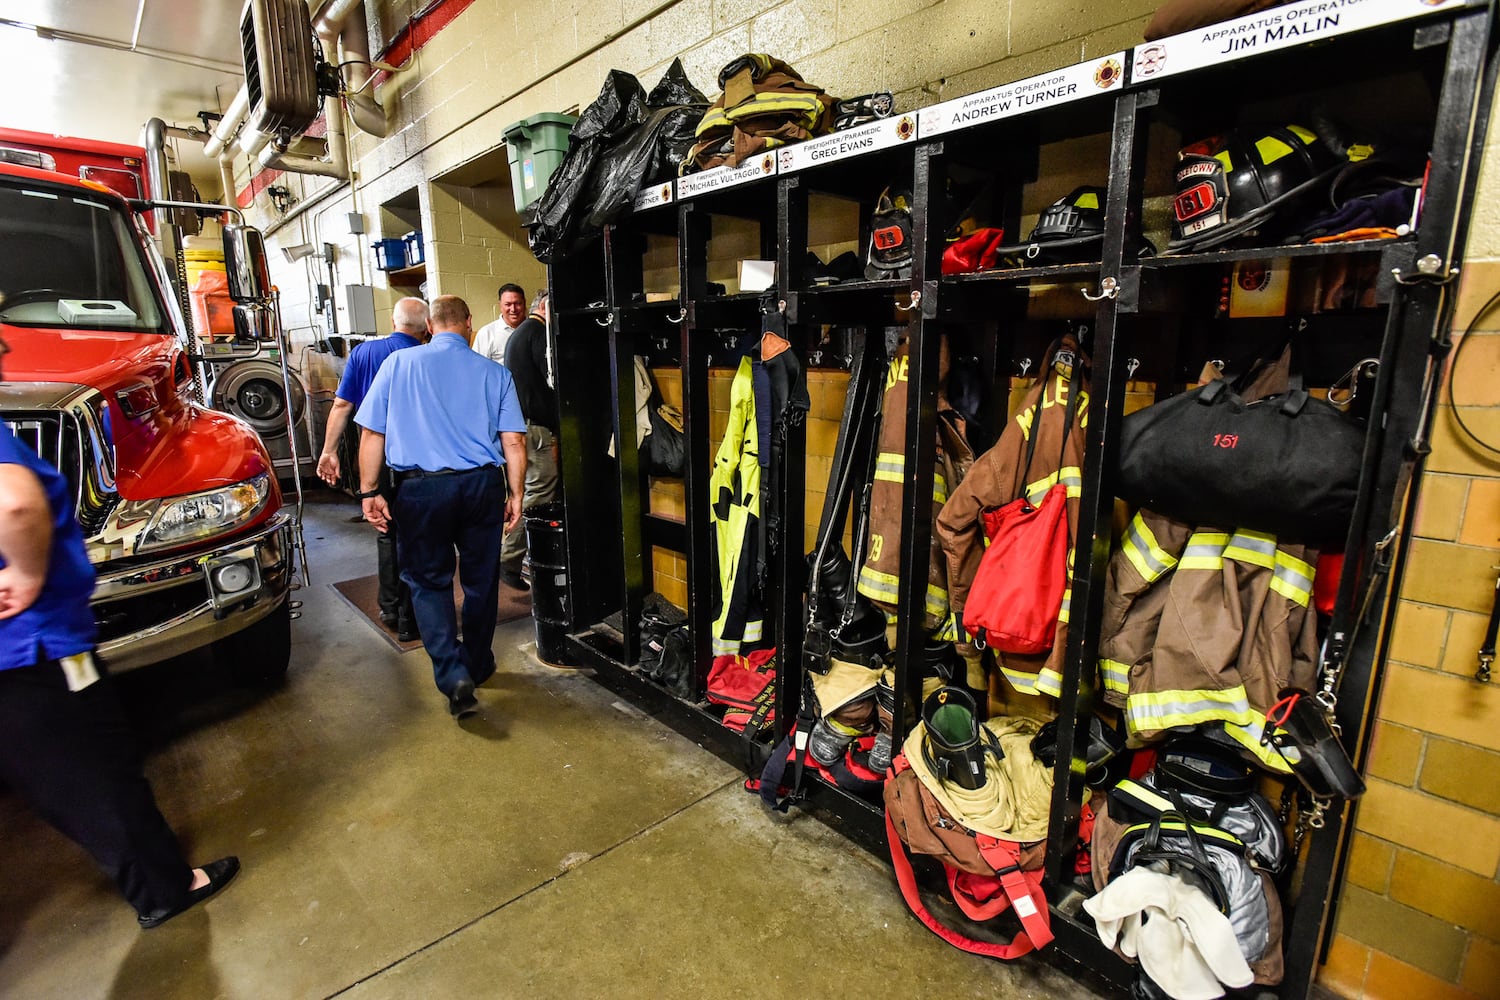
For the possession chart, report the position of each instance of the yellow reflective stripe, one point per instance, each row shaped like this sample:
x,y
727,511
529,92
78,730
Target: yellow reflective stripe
x,y
1116,675
712,118
1144,795
1070,476
806,107
937,601
1173,826
1067,605
878,586
950,631
1150,560
1252,547
1151,711
939,487
890,467
1248,736
1293,579
1204,550
1022,681
1049,682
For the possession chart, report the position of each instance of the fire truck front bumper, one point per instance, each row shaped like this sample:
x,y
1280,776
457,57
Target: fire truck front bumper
x,y
152,612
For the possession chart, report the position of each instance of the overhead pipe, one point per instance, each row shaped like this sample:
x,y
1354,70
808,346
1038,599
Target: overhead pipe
x,y
234,116
340,26
334,163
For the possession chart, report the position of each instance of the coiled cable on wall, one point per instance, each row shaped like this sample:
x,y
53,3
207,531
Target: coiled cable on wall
x,y
1453,373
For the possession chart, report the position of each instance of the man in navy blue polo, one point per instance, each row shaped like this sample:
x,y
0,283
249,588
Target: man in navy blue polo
x,y
449,424
409,318
67,747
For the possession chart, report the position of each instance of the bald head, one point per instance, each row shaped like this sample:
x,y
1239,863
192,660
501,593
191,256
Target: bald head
x,y
410,316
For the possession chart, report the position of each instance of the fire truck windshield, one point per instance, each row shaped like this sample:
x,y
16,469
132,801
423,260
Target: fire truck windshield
x,y
69,258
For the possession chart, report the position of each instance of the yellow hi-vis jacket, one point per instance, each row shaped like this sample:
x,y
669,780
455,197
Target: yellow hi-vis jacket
x,y
1204,626
999,476
734,510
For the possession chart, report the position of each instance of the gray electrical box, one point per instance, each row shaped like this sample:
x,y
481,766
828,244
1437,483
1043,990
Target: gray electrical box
x,y
359,311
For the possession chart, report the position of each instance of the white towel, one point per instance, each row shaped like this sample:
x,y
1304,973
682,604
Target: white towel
x,y
1183,942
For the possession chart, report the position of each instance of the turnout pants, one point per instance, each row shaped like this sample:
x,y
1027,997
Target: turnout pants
x,y
72,755
440,519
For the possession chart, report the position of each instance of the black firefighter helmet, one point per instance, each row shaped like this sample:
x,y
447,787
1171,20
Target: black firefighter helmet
x,y
1069,229
1246,182
889,254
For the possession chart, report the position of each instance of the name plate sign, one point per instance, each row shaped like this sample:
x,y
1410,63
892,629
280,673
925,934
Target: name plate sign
x,y
883,133
651,197
1269,30
753,169
1072,83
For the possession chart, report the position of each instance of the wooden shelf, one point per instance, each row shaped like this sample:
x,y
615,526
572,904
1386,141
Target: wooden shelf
x,y
408,277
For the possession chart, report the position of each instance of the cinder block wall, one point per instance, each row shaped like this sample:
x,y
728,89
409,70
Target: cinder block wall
x,y
1420,914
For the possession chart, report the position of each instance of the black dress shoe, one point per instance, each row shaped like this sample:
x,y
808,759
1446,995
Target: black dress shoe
x,y
388,619
462,703
407,632
515,582
219,873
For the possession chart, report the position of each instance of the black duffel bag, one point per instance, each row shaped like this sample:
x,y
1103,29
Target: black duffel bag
x,y
1287,464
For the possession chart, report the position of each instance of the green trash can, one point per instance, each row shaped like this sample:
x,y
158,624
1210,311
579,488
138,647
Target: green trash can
x,y
535,146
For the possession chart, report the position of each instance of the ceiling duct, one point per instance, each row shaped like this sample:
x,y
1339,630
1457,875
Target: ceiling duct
x,y
281,83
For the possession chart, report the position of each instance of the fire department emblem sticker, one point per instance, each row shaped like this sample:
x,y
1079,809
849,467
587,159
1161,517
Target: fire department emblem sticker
x,y
1149,60
1107,74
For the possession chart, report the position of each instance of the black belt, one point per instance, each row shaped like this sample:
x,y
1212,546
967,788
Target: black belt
x,y
405,474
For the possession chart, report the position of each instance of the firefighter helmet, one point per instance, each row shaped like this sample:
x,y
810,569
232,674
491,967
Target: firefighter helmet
x,y
889,254
1067,230
1246,182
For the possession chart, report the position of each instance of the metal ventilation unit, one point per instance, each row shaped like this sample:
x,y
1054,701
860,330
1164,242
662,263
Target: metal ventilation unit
x,y
276,39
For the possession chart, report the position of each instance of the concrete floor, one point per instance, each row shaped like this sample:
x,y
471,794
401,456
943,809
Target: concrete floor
x,y
558,844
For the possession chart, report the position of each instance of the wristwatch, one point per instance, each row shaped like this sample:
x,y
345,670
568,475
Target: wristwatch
x,y
367,494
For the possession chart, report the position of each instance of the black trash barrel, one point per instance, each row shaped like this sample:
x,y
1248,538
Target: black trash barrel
x,y
547,544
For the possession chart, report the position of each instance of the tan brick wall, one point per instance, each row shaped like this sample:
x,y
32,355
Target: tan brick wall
x,y
1419,914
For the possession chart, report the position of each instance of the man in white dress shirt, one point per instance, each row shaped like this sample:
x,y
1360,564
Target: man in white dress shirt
x,y
492,337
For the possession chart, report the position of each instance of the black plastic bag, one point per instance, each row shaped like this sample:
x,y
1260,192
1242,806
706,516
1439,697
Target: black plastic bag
x,y
650,152
664,451
555,221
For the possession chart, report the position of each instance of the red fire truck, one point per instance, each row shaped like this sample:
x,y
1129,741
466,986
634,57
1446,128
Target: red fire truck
x,y
179,503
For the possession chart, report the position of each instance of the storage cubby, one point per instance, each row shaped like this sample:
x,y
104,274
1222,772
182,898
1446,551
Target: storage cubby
x,y
1150,318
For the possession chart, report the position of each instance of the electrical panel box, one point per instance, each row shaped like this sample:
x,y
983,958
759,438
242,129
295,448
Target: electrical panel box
x,y
359,310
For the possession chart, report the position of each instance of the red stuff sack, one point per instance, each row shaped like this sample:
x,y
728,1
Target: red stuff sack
x,y
1018,590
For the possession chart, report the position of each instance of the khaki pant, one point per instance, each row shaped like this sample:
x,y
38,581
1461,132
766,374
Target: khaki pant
x,y
541,487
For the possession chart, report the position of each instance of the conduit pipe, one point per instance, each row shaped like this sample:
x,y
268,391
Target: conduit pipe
x,y
234,116
334,162
340,26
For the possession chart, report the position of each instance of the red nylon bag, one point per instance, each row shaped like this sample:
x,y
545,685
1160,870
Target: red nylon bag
x,y
1018,590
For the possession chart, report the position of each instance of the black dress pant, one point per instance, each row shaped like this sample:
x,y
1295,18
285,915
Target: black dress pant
x,y
72,755
394,596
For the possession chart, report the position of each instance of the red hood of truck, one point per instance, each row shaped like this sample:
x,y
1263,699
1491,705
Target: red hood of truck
x,y
176,448
103,359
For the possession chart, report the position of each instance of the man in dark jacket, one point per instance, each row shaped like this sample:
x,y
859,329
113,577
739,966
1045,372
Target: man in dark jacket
x,y
526,357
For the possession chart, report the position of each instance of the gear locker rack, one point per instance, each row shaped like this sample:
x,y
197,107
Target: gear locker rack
x,y
1150,323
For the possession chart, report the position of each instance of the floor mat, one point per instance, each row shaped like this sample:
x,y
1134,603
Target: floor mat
x,y
363,593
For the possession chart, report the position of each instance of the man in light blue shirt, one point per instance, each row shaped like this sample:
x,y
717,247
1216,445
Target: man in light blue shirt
x,y
448,423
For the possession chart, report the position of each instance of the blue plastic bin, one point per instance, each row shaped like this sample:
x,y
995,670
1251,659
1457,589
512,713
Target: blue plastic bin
x,y
389,254
414,252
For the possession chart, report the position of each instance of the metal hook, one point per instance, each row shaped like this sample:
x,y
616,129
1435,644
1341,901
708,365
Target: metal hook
x,y
1108,289
916,297
1025,365
1130,367
681,315
815,357
1349,382
609,318
1429,271
781,306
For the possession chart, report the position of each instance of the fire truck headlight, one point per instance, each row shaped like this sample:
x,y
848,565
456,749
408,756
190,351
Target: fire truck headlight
x,y
201,515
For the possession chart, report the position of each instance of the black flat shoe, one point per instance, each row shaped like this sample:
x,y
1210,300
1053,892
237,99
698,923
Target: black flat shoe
x,y
220,873
462,703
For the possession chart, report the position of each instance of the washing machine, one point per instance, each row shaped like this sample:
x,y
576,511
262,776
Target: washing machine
x,y
252,389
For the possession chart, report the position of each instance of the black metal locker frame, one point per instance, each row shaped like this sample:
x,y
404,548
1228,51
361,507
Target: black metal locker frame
x,y
1418,316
